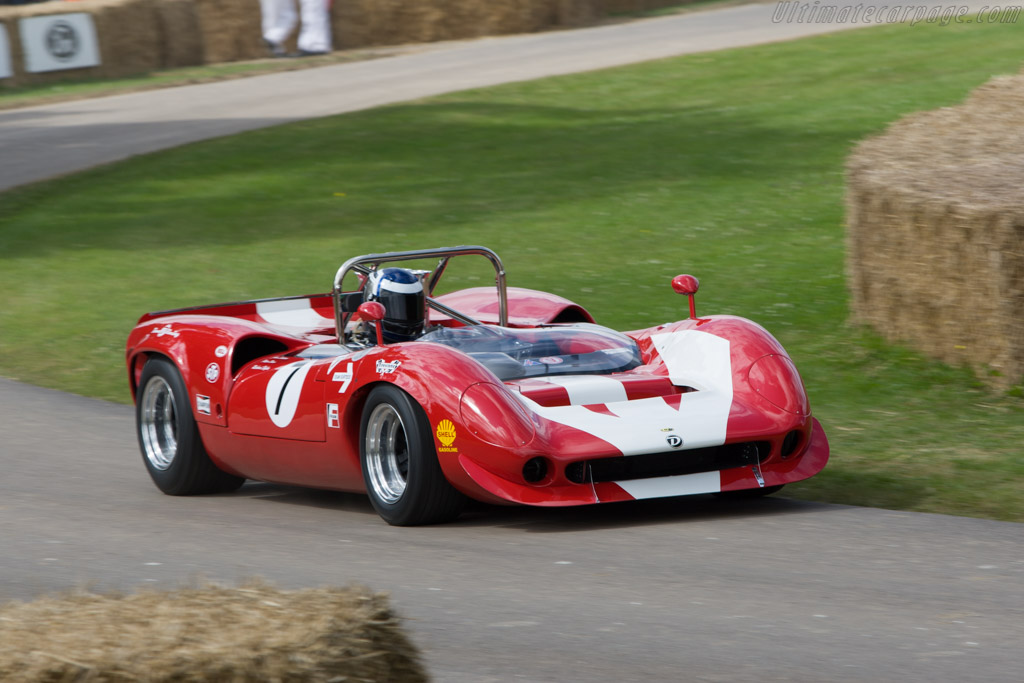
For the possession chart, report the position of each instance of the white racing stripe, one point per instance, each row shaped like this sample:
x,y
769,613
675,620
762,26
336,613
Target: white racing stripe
x,y
399,287
589,389
680,485
696,359
291,312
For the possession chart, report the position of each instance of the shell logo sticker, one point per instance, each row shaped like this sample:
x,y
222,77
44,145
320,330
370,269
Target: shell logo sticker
x,y
446,435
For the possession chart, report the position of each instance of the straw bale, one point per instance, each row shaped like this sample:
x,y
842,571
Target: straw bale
x,y
128,33
181,40
359,23
621,6
579,12
936,232
250,634
123,51
230,29
141,35
9,21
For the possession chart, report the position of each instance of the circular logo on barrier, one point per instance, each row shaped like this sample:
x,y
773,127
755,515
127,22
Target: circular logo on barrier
x,y
61,41
674,440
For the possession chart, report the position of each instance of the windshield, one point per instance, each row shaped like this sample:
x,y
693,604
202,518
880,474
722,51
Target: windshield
x,y
579,349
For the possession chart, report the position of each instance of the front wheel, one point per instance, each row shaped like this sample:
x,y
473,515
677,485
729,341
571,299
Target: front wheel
x,y
400,469
169,437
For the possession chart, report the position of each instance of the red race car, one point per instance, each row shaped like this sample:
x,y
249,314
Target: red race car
x,y
499,394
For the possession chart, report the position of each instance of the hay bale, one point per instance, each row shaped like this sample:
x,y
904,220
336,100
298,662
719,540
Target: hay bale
x,y
360,23
8,19
230,29
250,634
123,51
137,36
935,235
128,34
624,6
181,38
580,12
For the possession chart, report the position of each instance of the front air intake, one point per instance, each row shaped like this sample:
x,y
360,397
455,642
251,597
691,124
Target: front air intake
x,y
668,464
535,470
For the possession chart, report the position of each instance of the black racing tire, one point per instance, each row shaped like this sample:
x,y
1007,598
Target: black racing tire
x,y
746,494
169,438
400,468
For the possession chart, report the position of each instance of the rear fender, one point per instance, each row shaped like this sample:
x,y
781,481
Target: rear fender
x,y
526,307
204,351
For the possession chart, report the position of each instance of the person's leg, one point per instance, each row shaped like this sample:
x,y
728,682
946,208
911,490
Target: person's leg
x,y
315,35
278,19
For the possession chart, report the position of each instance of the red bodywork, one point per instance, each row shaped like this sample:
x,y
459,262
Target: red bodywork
x,y
278,399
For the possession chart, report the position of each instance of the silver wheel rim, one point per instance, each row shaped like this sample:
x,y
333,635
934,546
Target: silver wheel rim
x,y
387,453
159,423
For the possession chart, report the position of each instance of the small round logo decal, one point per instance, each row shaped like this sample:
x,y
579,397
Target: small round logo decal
x,y
220,351
62,41
674,440
212,372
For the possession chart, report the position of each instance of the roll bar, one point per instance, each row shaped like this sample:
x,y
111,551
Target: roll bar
x,y
364,265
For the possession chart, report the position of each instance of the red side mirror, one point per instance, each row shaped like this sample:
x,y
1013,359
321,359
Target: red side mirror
x,y
685,284
373,311
688,285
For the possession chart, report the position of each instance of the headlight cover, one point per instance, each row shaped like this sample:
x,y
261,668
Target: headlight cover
x,y
776,380
495,417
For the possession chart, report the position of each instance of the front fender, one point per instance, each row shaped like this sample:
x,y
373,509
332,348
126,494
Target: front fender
x,y
470,411
768,394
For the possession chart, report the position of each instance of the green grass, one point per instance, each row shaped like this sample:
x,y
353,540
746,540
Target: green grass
x,y
600,187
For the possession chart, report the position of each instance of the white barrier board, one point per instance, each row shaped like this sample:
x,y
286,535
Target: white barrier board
x,y
59,41
5,54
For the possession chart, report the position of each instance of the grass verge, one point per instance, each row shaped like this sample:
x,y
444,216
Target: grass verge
x,y
600,187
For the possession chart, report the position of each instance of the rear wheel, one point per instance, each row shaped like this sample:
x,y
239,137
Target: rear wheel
x,y
169,437
403,478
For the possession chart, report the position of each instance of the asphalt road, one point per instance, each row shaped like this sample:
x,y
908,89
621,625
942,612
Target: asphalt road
x,y
690,589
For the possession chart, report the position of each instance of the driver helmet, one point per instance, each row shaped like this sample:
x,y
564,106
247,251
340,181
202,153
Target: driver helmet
x,y
401,293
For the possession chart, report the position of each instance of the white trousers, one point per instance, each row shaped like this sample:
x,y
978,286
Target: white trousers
x,y
279,19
